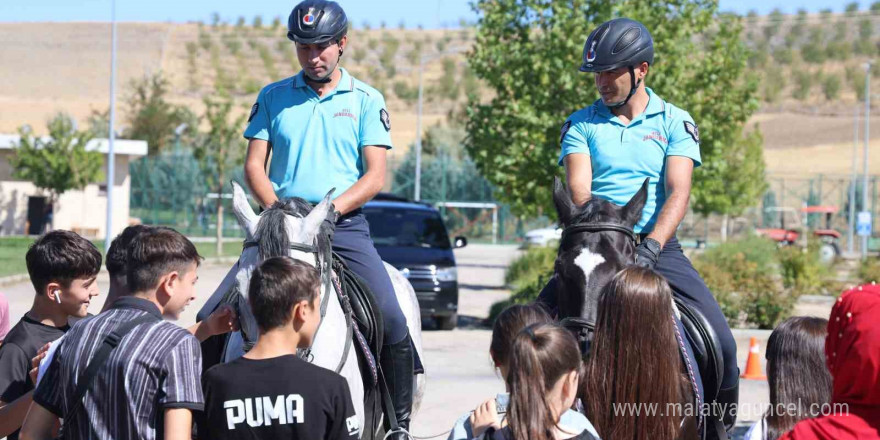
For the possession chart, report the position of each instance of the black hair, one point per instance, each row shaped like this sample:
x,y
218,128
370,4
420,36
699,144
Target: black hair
x,y
154,253
61,256
278,284
117,254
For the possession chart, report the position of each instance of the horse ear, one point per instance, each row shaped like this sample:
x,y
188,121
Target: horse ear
x,y
312,222
246,217
562,199
632,212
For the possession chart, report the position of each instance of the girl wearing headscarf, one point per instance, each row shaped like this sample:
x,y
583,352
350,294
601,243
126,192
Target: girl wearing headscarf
x,y
852,353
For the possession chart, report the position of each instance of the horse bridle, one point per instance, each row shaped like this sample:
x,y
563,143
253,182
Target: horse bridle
x,y
600,227
325,261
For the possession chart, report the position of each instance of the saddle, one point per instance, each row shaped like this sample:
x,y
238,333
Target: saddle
x,y
367,317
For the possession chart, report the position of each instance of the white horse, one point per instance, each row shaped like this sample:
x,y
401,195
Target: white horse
x,y
330,341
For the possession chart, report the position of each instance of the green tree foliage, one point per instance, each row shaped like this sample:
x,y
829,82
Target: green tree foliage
x,y
875,6
59,163
783,55
852,8
215,19
219,150
149,116
759,56
803,82
405,92
814,51
390,45
192,71
528,52
205,40
856,78
447,86
831,87
772,86
774,22
258,22
866,28
276,22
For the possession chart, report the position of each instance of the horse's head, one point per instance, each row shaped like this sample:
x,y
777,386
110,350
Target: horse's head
x,y
289,227
597,242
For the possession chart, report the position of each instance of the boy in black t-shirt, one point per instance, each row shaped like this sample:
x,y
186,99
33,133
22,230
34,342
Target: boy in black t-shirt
x,y
270,393
63,268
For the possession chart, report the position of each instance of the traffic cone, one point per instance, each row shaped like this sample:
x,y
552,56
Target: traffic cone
x,y
753,363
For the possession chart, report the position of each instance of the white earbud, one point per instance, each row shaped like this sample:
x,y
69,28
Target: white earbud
x,y
57,296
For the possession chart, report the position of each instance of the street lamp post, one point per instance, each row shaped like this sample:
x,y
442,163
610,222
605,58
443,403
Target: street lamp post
x,y
865,158
111,136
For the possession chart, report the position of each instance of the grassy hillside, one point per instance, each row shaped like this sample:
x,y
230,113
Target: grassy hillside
x,y
808,65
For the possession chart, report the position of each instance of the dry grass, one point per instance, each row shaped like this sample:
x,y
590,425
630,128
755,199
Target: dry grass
x,y
66,67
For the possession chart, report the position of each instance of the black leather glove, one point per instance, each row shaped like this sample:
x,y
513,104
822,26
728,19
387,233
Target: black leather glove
x,y
647,253
330,221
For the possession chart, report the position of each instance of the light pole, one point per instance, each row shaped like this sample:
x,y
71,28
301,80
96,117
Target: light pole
x,y
111,156
865,158
850,246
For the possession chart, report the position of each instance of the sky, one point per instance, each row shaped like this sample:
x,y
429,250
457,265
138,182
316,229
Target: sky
x,y
431,14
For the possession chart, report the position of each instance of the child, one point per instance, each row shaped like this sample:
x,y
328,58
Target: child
x,y
545,365
149,384
852,354
507,325
223,319
635,360
797,376
270,393
63,268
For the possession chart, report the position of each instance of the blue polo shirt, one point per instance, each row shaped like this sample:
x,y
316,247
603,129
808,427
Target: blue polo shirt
x,y
317,142
623,155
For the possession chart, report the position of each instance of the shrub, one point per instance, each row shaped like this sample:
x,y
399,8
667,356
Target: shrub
x,y
533,263
869,271
831,87
801,269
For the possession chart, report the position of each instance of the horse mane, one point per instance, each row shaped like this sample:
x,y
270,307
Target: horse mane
x,y
272,228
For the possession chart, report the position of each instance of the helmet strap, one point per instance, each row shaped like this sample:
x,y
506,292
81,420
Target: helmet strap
x,y
632,91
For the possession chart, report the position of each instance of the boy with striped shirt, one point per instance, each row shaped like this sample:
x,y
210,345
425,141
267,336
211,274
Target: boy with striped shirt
x,y
150,383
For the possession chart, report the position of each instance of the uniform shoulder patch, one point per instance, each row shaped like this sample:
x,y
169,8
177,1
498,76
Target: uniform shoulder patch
x,y
386,120
565,128
692,130
254,111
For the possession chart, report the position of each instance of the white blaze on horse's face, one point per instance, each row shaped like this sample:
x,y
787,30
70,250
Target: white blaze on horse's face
x,y
588,261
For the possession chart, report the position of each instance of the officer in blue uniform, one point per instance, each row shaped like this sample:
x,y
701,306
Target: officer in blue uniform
x,y
629,134
326,129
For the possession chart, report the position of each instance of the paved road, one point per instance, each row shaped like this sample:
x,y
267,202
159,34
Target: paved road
x,y
460,373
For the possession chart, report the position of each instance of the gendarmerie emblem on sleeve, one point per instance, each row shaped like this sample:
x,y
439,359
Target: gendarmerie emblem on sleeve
x,y
692,130
386,120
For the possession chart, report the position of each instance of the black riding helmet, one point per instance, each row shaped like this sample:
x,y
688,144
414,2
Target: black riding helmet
x,y
617,43
316,22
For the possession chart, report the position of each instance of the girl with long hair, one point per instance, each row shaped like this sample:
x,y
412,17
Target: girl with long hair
x,y
797,375
544,369
635,364
852,354
507,326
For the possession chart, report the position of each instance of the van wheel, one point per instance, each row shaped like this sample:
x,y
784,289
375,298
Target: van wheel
x,y
447,322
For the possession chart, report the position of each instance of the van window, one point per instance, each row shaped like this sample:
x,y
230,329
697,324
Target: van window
x,y
407,228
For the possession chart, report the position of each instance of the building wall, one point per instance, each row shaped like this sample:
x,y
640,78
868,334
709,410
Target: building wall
x,y
84,211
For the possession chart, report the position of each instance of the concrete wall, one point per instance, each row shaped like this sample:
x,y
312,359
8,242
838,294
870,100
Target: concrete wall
x,y
84,211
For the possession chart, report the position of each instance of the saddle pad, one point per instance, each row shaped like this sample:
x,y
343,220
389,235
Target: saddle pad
x,y
367,314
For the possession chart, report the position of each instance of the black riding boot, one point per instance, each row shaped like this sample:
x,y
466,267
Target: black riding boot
x,y
730,397
397,364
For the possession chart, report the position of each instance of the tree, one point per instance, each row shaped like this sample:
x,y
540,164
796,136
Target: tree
x,y
215,19
831,87
218,151
803,81
875,7
59,163
526,53
276,22
150,117
258,22
852,8
866,28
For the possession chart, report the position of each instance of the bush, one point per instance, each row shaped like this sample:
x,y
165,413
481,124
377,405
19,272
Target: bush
x,y
532,264
801,269
803,84
831,87
869,271
741,276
